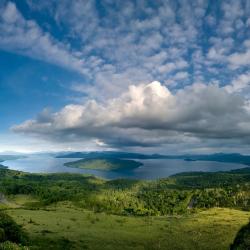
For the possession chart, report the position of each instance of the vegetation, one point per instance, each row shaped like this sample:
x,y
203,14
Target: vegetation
x,y
104,164
65,226
242,240
72,211
175,195
11,234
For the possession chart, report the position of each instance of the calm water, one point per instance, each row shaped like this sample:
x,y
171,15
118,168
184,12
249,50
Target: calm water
x,y
152,169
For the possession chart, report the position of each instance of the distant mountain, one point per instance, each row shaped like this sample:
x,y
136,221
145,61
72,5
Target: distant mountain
x,y
218,157
111,154
221,157
10,157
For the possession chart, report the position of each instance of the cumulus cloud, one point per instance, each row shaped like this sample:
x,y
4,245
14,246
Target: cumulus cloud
x,y
148,115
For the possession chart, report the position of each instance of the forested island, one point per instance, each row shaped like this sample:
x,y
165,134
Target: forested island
x,y
105,164
73,211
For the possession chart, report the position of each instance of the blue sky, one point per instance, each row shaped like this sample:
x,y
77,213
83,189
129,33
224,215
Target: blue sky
x,y
168,76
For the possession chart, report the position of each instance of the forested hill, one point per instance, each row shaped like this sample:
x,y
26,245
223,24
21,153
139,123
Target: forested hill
x,y
105,164
161,197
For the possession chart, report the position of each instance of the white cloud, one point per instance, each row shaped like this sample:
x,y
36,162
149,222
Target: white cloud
x,y
239,59
172,66
240,83
27,38
148,114
181,75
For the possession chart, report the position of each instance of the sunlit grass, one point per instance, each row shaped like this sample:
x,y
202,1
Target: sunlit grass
x,y
67,227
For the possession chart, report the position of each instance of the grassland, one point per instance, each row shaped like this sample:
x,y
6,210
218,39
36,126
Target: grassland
x,y
64,226
104,164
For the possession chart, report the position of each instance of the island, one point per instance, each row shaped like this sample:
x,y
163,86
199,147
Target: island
x,y
189,159
106,164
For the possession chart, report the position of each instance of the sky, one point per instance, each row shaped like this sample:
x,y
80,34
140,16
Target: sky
x,y
168,76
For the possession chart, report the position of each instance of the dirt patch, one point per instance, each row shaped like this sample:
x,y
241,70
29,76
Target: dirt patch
x,y
3,200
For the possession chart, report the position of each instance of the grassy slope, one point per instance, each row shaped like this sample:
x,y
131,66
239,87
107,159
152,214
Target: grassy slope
x,y
104,164
64,226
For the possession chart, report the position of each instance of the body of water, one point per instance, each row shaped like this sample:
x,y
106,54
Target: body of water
x,y
151,169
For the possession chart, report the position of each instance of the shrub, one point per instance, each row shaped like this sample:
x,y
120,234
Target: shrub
x,y
10,231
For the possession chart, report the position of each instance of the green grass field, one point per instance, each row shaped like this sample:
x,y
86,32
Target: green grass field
x,y
64,226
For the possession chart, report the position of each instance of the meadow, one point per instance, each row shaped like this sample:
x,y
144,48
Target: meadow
x,y
64,226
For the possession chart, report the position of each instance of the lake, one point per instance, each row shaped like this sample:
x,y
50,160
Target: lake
x,y
151,169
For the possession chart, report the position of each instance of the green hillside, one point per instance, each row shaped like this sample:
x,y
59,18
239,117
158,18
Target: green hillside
x,y
72,211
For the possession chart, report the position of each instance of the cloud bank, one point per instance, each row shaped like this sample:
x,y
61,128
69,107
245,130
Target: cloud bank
x,y
149,115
